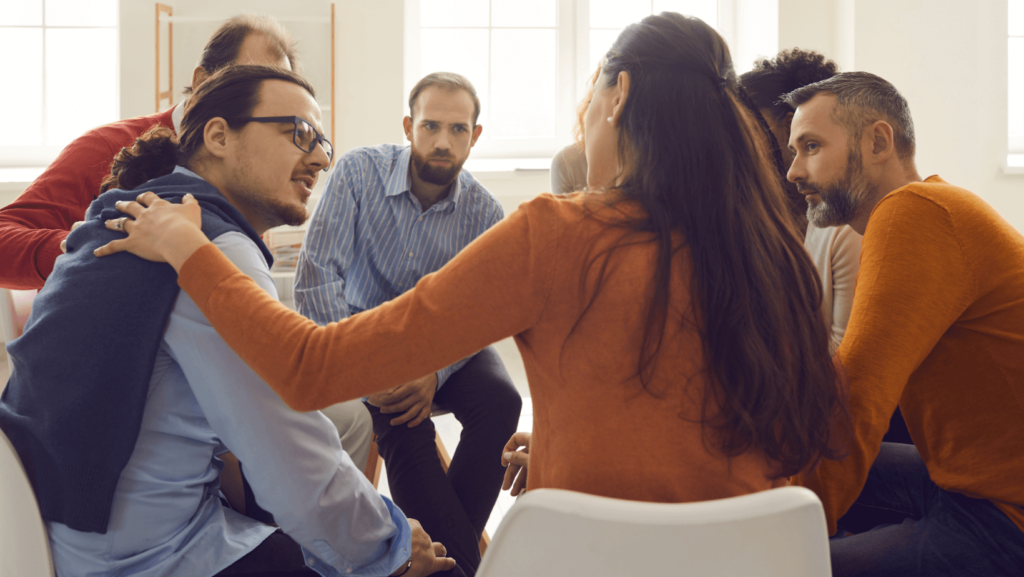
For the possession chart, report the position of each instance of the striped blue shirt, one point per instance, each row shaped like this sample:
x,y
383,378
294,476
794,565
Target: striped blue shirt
x,y
369,239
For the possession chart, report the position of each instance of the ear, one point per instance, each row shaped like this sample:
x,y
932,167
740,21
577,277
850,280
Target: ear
x,y
621,94
881,143
476,134
199,76
407,124
216,137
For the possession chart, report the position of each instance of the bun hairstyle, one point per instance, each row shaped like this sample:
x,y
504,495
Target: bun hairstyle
x,y
231,93
695,157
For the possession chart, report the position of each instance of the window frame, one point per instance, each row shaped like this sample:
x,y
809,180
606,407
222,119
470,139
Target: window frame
x,y
41,155
572,69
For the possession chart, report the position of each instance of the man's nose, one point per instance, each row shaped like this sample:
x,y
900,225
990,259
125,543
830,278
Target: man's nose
x,y
796,171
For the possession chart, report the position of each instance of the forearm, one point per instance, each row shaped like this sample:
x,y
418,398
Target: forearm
x,y
444,319
29,250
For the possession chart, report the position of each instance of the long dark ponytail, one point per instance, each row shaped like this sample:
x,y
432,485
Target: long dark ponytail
x,y
230,93
695,157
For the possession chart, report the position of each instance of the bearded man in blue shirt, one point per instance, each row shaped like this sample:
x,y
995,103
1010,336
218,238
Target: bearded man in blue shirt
x,y
390,215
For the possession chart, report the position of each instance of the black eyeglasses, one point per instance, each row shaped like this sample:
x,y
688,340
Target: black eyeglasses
x,y
304,136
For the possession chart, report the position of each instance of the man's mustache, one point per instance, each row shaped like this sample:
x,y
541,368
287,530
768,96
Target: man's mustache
x,y
803,188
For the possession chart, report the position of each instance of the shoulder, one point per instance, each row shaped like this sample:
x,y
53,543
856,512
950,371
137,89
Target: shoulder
x,y
244,254
124,132
367,161
478,194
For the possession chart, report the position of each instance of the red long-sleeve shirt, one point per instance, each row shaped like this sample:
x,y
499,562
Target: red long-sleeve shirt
x,y
32,227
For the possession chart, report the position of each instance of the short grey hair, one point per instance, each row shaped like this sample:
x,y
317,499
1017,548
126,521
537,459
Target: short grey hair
x,y
863,98
450,81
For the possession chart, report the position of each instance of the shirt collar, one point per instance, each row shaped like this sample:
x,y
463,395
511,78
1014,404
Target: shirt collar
x,y
400,180
182,170
177,114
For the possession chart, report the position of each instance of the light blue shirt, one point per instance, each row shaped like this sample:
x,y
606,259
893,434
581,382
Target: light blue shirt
x,y
370,240
167,518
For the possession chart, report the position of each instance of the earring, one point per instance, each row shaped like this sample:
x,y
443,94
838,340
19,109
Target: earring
x,y
609,120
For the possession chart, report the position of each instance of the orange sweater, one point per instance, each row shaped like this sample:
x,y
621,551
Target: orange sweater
x,y
595,429
938,327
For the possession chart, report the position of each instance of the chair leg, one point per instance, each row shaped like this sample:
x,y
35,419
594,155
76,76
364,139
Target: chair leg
x,y
373,463
442,453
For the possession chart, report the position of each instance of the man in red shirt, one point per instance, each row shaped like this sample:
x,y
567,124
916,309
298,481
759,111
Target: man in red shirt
x,y
33,226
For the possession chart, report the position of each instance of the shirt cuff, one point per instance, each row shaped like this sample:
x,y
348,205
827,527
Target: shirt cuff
x,y
396,557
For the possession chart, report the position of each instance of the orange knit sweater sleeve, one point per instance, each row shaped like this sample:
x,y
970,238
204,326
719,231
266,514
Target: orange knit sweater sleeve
x,y
914,283
496,287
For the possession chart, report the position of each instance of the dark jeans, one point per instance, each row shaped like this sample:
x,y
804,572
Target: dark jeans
x,y
277,556
942,533
454,508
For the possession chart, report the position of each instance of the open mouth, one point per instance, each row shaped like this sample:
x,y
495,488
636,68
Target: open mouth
x,y
305,182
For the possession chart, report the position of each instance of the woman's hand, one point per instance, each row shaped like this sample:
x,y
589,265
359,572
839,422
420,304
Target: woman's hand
x,y
517,462
157,230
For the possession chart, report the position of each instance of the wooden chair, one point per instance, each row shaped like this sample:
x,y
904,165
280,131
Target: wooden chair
x,y
374,464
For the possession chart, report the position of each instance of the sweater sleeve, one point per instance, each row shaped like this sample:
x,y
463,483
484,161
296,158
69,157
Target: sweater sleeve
x,y
496,287
32,227
914,283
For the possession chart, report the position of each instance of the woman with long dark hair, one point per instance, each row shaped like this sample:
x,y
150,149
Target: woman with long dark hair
x,y
668,319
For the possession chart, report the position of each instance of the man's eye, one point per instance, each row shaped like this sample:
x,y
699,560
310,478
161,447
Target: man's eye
x,y
430,126
811,146
458,128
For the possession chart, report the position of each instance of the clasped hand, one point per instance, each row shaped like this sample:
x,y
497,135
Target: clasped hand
x,y
413,399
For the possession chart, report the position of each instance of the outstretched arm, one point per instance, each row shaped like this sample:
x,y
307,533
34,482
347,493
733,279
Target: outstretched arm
x,y
496,287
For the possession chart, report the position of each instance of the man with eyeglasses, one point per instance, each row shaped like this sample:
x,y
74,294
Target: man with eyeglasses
x,y
121,439
389,216
33,226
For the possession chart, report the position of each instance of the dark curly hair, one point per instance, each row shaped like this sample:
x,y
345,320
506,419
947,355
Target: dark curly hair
x,y
789,70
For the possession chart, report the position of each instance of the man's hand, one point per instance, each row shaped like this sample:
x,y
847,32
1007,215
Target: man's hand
x,y
427,556
413,399
516,462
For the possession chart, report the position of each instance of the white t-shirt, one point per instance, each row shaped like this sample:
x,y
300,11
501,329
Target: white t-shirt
x,y
836,254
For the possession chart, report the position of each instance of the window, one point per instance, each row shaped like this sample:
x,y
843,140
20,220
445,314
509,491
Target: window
x,y
528,59
61,56
1015,84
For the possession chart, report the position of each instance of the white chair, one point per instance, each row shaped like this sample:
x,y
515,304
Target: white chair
x,y
554,532
24,546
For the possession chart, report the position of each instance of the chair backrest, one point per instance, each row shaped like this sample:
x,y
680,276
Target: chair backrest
x,y
8,328
554,532
15,307
24,546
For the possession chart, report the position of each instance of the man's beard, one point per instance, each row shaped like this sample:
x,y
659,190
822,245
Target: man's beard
x,y
267,205
839,201
436,174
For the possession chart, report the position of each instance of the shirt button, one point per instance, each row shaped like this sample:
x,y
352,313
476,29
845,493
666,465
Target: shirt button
x,y
399,285
420,219
349,570
410,254
311,561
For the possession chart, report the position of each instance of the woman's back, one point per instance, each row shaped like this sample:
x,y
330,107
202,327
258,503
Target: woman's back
x,y
597,429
